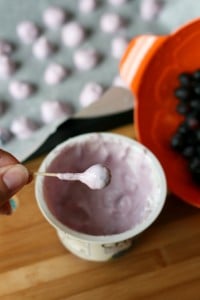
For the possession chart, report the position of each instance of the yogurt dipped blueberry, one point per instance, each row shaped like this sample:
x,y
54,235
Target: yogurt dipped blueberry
x,y
27,31
54,17
96,177
134,194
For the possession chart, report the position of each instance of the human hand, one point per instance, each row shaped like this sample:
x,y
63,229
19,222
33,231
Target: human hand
x,y
13,176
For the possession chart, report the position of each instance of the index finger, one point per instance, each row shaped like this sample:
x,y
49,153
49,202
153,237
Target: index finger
x,y
7,158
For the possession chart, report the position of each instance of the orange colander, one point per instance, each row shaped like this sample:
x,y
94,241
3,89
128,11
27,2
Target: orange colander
x,y
150,66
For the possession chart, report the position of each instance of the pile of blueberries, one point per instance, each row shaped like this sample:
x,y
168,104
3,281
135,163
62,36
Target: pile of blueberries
x,y
186,139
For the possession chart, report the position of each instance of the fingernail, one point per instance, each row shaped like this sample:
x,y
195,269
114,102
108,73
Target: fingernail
x,y
15,177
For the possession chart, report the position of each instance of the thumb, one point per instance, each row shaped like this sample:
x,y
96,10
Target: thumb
x,y
12,179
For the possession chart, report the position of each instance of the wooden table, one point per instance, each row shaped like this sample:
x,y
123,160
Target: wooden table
x,y
163,264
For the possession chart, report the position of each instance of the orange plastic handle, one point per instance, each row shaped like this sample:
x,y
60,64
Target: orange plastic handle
x,y
137,57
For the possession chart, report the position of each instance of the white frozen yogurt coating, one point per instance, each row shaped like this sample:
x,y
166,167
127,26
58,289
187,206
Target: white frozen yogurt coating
x,y
55,73
53,110
95,177
87,6
28,32
118,46
117,2
23,127
90,93
129,198
6,48
54,17
20,90
73,34
43,48
7,67
85,59
111,22
149,9
118,81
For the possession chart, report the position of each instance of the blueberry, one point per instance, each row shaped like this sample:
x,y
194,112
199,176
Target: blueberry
x,y
194,164
193,123
192,115
196,75
185,79
183,128
182,93
182,108
197,90
195,103
186,140
177,142
191,138
189,151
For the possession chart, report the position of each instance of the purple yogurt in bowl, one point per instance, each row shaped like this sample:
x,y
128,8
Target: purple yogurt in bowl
x,y
99,224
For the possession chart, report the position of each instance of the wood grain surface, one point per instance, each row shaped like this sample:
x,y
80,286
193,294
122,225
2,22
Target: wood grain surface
x,y
164,263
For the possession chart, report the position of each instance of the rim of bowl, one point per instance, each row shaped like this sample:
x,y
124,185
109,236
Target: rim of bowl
x,y
131,233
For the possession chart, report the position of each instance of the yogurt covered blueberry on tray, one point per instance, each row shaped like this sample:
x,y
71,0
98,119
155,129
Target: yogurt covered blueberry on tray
x,y
111,22
87,6
55,73
54,17
118,46
20,89
53,110
6,48
90,93
86,59
73,34
23,127
7,66
150,9
43,48
28,32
